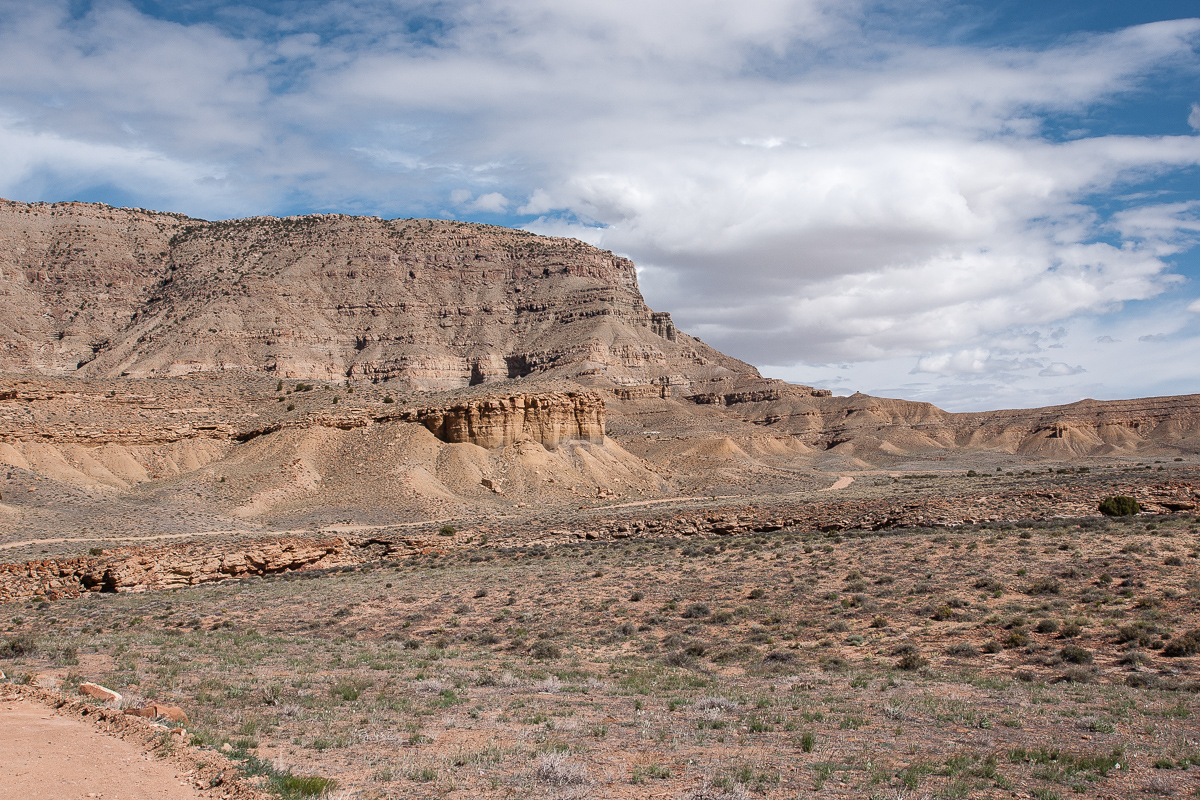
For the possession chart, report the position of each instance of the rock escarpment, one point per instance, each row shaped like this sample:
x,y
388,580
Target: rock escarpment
x,y
871,427
105,292
491,422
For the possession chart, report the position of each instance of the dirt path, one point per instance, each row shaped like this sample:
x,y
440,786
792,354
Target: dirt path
x,y
840,483
45,756
114,539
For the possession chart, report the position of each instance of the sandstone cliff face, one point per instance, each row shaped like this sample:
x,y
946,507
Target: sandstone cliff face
x,y
492,422
120,292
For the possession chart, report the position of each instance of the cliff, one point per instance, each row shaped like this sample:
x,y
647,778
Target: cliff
x,y
97,291
492,422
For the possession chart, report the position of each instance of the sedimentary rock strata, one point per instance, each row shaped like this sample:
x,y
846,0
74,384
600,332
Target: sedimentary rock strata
x,y
101,291
492,422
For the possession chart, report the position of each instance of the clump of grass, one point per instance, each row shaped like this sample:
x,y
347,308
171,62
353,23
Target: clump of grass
x,y
284,783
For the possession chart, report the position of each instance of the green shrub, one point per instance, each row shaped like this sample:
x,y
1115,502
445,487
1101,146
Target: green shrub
x,y
1074,654
1119,506
1016,639
388,399
447,530
543,650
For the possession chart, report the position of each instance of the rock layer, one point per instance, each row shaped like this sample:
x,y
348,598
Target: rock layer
x,y
492,422
101,291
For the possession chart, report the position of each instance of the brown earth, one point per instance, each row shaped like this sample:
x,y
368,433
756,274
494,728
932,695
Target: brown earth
x,y
55,748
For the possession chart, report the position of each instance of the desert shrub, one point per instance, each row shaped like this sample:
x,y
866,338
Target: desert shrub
x,y
1046,585
1074,654
696,611
757,594
1186,645
543,650
677,658
910,658
962,650
1119,506
388,399
447,530
1070,630
1015,639
943,612
880,622
1173,561
23,644
1046,626
636,597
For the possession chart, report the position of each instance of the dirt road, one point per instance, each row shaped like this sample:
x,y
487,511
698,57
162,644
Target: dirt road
x,y
45,756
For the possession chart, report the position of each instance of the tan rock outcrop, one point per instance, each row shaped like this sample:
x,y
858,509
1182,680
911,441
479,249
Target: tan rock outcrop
x,y
99,692
492,422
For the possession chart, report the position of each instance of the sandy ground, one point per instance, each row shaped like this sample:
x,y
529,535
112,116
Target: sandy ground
x,y
44,756
840,483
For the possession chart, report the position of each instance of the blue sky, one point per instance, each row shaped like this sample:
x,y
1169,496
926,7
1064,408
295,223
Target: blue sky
x,y
982,205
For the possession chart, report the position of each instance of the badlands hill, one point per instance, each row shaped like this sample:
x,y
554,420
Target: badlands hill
x,y
160,370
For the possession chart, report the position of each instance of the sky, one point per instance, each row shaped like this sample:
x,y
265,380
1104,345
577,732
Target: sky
x,y
977,204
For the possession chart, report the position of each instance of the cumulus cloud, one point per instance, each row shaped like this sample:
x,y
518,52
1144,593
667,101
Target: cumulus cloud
x,y
1194,117
1059,370
797,186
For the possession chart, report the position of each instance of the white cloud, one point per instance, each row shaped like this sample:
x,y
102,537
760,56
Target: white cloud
x,y
1194,306
796,186
1153,337
1194,117
492,202
1059,370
